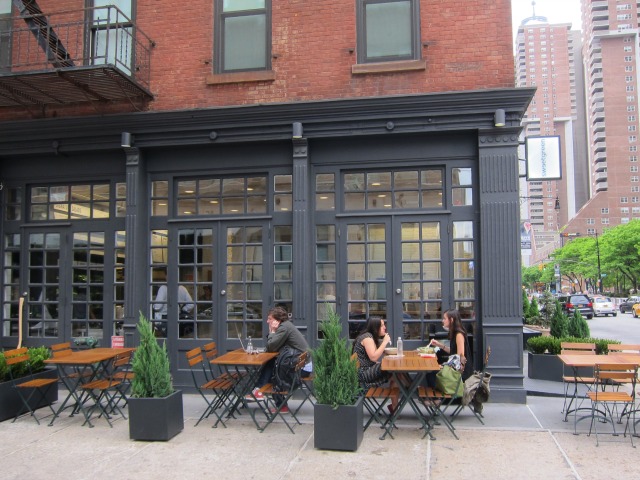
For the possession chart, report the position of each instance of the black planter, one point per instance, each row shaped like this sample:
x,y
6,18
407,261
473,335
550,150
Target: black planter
x,y
156,419
339,429
544,366
11,404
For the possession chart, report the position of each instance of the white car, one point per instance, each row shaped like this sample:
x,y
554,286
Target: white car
x,y
604,306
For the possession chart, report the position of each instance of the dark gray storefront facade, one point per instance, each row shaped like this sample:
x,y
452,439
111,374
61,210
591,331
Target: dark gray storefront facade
x,y
400,206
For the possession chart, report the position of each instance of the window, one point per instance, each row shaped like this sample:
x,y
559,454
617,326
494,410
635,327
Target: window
x,y
388,30
624,200
242,35
5,40
112,33
604,211
62,202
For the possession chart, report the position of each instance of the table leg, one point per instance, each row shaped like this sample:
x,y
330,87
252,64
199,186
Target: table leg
x,y
406,397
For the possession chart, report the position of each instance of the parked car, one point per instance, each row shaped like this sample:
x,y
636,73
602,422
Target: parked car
x,y
636,310
604,306
582,302
628,304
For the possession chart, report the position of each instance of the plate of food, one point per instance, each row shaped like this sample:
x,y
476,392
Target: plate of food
x,y
391,351
427,351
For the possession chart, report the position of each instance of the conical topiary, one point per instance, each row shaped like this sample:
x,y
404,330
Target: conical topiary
x,y
151,365
336,374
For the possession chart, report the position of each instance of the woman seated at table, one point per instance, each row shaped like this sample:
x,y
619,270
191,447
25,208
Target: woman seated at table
x,y
369,347
452,323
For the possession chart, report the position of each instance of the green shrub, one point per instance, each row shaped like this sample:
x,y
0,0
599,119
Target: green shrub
x,y
559,322
525,305
544,345
578,326
336,374
37,356
553,345
151,365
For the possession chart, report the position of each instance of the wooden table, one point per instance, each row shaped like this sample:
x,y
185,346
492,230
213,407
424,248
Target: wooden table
x,y
252,363
577,361
89,364
415,365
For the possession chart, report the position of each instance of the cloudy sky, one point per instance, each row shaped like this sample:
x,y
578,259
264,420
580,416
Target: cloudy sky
x,y
556,11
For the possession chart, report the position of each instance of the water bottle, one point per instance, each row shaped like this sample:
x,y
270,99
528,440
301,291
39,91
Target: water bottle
x,y
249,345
400,349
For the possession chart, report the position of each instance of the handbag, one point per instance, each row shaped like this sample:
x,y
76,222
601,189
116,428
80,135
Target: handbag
x,y
449,381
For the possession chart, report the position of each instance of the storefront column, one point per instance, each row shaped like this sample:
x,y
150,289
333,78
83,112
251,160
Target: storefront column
x,y
137,244
500,278
302,253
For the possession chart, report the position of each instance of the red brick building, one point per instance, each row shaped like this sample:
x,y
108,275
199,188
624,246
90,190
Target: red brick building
x,y
356,152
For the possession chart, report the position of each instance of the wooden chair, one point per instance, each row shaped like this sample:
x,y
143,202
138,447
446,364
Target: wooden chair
x,y
374,400
624,348
437,403
216,392
276,399
37,388
604,403
306,387
106,391
569,378
210,352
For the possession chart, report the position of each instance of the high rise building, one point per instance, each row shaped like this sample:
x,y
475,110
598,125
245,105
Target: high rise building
x,y
548,57
610,49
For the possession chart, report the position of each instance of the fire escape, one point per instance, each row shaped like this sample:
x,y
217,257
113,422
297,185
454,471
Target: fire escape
x,y
72,57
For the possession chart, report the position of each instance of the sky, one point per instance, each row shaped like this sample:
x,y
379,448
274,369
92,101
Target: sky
x,y
556,11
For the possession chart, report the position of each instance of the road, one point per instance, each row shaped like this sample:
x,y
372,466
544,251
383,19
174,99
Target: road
x,y
623,327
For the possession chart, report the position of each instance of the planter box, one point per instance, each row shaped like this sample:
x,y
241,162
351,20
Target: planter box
x,y
11,404
544,366
156,419
339,429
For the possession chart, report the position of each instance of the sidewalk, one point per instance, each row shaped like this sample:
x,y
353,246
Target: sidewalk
x,y
517,442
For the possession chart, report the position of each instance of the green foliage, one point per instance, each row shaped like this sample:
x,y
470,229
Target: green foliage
x,y
37,356
336,374
525,305
559,322
534,310
150,365
578,326
552,345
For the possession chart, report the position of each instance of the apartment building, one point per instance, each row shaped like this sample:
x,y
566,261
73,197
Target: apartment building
x,y
356,153
610,48
548,57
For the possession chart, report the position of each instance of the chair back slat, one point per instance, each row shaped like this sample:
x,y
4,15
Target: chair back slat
x,y
16,356
61,350
194,356
623,347
573,348
620,372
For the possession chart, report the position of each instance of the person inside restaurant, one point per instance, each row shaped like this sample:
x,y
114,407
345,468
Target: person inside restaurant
x,y
282,333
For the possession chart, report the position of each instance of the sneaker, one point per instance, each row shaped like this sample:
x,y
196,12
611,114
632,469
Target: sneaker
x,y
284,409
255,395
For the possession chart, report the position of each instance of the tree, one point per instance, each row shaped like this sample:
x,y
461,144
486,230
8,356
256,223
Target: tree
x,y
578,326
559,322
525,304
619,252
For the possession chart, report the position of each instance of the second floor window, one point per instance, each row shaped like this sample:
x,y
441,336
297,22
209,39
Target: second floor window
x,y
242,35
388,30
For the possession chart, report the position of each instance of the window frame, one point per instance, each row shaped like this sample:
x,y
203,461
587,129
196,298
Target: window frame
x,y
218,51
416,51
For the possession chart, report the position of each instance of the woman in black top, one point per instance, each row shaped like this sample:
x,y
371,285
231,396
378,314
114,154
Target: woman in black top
x,y
458,344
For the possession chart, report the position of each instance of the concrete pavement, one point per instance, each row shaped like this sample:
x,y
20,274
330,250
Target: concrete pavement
x,y
517,441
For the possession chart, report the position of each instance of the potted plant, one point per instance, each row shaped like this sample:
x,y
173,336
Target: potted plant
x,y
155,408
338,412
10,402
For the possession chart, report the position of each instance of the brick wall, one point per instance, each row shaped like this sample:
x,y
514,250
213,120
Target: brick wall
x,y
469,48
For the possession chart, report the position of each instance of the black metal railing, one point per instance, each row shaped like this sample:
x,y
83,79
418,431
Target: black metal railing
x,y
73,39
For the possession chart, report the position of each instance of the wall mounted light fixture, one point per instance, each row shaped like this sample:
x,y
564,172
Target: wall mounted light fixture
x,y
297,130
126,140
499,118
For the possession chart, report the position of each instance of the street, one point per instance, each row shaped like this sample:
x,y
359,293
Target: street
x,y
624,328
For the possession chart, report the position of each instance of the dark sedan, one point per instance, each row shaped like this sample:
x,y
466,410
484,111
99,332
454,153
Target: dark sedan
x,y
627,305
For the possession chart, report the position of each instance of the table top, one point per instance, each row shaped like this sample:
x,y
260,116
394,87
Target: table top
x,y
88,356
410,362
592,360
240,357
